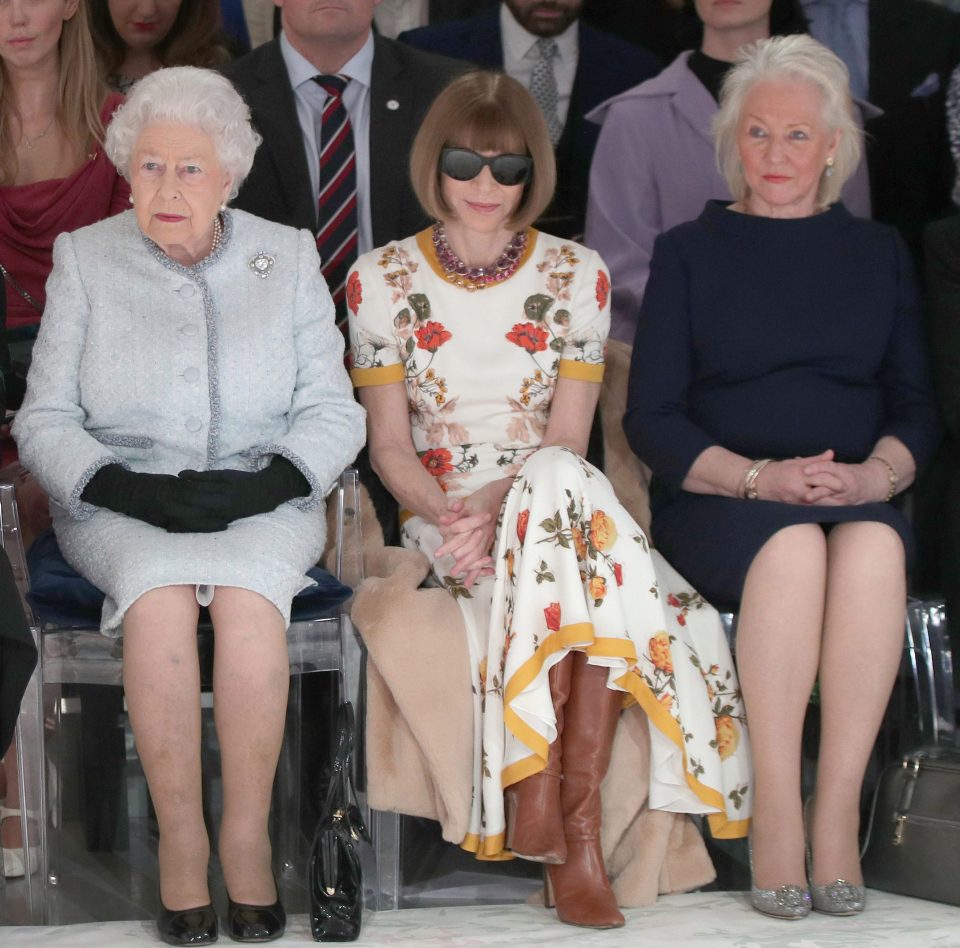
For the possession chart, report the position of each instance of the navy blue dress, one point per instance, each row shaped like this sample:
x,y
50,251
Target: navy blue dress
x,y
772,338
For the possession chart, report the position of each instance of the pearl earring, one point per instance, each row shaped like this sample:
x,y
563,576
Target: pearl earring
x,y
131,200
829,171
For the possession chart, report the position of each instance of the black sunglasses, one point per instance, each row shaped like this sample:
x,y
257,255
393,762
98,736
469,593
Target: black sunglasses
x,y
461,164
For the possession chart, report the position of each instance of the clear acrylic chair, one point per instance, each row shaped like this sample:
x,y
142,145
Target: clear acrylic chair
x,y
79,666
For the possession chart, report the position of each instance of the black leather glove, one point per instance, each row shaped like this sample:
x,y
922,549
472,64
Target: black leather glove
x,y
159,499
247,493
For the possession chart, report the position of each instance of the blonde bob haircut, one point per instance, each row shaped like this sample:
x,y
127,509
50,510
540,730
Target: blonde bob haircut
x,y
802,59
484,111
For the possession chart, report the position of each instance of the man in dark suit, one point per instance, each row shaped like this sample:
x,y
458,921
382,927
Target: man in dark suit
x,y
900,54
590,66
392,88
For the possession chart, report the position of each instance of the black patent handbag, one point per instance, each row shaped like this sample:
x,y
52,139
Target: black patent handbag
x,y
335,878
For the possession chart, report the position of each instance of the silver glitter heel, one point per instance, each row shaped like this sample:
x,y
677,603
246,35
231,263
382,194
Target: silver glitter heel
x,y
785,901
835,898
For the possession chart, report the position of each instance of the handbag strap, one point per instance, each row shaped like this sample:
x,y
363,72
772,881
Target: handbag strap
x,y
5,273
340,791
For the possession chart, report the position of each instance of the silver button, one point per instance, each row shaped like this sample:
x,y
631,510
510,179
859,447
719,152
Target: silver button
x,y
187,291
194,424
191,374
189,329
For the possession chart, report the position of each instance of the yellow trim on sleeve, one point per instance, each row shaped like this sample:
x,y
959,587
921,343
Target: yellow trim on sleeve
x,y
379,375
581,371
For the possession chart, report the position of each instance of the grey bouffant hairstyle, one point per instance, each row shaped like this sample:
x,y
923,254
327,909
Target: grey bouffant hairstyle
x,y
186,95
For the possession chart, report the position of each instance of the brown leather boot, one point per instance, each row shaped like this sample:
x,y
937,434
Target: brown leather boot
x,y
534,814
580,888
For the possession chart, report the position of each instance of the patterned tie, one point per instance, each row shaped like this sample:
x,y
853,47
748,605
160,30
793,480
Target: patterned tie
x,y
543,86
337,236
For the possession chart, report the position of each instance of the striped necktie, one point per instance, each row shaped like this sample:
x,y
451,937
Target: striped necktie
x,y
337,235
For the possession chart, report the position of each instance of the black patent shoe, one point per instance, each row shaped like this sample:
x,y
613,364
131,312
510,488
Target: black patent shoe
x,y
254,923
193,926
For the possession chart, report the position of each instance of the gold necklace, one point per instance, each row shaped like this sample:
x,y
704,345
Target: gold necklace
x,y
30,142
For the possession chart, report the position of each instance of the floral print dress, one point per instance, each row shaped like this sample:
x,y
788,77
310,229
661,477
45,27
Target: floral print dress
x,y
573,570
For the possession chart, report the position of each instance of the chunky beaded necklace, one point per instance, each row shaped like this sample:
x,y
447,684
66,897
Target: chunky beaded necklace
x,y
469,278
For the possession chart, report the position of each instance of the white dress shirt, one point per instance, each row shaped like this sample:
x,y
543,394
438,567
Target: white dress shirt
x,y
311,98
520,56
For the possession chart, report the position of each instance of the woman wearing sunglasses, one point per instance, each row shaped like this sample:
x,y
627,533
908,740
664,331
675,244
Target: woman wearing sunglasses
x,y
478,346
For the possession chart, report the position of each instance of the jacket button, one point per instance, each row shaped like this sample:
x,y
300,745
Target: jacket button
x,y
187,291
190,329
194,424
191,374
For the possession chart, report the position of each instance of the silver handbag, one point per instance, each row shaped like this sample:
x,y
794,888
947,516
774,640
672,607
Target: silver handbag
x,y
913,838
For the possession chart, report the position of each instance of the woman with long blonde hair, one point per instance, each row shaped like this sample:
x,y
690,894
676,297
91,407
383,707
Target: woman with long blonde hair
x,y
54,177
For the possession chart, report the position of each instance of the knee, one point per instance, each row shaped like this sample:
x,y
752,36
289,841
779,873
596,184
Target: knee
x,y
869,545
802,543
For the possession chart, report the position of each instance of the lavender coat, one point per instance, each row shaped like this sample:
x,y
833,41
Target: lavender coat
x,y
655,167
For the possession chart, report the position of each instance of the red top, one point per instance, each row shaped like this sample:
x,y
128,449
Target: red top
x,y
33,215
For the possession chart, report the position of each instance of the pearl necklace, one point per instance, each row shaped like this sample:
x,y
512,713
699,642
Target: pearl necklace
x,y
469,278
217,234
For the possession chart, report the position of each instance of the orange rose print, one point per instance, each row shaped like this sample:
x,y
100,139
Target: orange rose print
x,y
603,288
552,614
728,736
597,588
529,336
509,559
666,700
437,461
659,647
431,336
579,543
618,573
603,531
522,519
354,292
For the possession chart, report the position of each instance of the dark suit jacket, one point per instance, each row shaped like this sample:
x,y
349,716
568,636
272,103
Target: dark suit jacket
x,y
937,494
907,149
278,187
607,66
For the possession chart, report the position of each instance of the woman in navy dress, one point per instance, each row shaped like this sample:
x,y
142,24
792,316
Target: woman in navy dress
x,y
780,394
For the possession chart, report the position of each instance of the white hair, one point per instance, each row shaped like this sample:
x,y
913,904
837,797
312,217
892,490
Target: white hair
x,y
186,95
800,58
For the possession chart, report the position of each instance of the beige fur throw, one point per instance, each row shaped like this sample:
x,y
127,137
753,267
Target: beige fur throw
x,y
419,719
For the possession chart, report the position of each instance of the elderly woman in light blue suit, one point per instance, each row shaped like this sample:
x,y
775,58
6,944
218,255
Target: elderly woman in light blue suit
x,y
187,411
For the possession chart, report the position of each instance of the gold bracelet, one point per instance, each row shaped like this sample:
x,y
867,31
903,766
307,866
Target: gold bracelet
x,y
750,478
892,478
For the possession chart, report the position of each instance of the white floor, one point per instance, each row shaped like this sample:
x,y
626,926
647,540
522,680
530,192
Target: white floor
x,y
706,920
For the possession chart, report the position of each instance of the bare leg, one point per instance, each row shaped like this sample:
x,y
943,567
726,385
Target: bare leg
x,y
862,643
161,678
251,678
778,649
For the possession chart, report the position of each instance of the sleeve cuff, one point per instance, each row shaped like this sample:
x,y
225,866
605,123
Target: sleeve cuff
x,y
582,371
381,375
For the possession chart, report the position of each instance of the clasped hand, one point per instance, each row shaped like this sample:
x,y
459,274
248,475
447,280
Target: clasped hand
x,y
195,501
468,529
820,480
